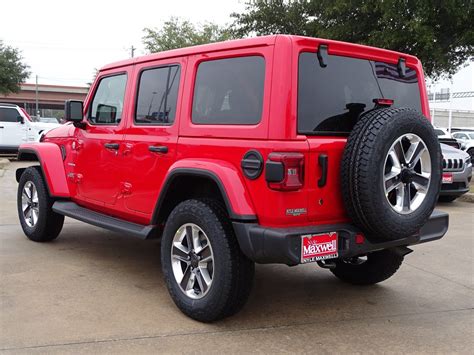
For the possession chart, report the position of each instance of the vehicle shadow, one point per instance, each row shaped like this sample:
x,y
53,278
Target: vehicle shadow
x,y
281,295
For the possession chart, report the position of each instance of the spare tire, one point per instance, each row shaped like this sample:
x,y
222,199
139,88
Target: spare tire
x,y
391,173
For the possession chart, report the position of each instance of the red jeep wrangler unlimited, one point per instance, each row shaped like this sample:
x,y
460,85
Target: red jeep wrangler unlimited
x,y
278,149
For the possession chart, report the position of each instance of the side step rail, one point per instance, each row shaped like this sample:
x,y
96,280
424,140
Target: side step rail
x,y
73,210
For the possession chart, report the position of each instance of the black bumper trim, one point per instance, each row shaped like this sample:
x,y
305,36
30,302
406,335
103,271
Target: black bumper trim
x,y
454,192
283,245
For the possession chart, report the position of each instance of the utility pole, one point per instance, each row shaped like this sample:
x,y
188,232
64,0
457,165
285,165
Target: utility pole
x,y
132,51
37,105
450,117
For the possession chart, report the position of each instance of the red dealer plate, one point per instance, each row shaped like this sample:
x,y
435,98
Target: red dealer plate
x,y
316,247
447,178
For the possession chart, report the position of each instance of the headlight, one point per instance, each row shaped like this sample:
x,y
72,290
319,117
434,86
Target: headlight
x,y
468,162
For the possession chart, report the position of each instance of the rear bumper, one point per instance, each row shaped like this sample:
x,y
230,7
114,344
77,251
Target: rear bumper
x,y
283,246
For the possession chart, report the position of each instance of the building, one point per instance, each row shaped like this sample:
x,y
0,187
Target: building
x,y
50,98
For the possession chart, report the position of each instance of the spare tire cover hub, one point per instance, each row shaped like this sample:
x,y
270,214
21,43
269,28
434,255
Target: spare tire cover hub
x,y
407,173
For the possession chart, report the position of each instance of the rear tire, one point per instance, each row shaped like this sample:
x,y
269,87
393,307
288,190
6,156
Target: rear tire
x,y
38,221
378,267
213,242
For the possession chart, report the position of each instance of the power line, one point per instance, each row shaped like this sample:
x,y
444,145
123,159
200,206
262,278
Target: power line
x,y
51,45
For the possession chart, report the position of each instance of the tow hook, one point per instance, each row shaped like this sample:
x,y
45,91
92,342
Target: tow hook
x,y
326,264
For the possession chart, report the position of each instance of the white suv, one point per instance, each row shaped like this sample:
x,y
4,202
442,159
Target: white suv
x,y
16,127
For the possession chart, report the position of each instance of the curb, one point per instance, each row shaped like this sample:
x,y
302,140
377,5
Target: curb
x,y
469,197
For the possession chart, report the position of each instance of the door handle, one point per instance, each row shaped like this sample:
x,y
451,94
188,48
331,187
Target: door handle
x,y
158,149
1,126
114,146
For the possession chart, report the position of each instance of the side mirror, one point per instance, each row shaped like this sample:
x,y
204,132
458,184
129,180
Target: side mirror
x,y
106,114
73,110
20,119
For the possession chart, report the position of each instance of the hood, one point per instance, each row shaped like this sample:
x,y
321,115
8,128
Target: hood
x,y
453,153
61,131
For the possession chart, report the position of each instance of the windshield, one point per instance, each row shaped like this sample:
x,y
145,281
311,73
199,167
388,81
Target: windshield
x,y
331,99
471,135
439,132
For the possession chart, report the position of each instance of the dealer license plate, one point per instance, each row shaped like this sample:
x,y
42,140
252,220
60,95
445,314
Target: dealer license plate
x,y
447,178
316,247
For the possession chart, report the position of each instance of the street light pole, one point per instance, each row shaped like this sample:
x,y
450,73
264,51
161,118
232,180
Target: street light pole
x,y
37,105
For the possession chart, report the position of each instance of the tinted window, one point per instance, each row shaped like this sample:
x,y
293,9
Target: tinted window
x,y
439,132
107,105
331,99
157,95
8,115
229,91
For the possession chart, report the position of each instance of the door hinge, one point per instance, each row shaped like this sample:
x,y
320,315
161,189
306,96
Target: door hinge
x,y
75,178
77,145
126,188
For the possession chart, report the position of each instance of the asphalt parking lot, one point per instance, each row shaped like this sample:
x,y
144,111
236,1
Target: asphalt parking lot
x,y
94,291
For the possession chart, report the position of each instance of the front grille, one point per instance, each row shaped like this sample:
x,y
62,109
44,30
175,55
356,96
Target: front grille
x,y
453,164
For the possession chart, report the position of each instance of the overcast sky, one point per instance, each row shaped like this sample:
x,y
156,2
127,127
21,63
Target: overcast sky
x,y
63,41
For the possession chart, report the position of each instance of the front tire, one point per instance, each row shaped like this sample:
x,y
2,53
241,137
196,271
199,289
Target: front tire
x,y
207,275
38,221
377,267
470,151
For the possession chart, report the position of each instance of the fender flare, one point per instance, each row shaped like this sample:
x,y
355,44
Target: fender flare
x,y
227,178
51,163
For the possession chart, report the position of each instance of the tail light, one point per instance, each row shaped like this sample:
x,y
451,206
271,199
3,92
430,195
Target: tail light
x,y
285,171
383,102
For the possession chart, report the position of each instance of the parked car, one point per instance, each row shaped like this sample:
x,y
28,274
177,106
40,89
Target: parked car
x,y
457,173
16,127
48,120
467,139
445,137
278,149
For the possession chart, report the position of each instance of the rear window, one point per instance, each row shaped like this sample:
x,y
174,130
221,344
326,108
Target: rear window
x,y
229,91
331,99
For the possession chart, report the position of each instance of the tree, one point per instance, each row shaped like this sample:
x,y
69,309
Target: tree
x,y
94,76
439,32
177,33
12,71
